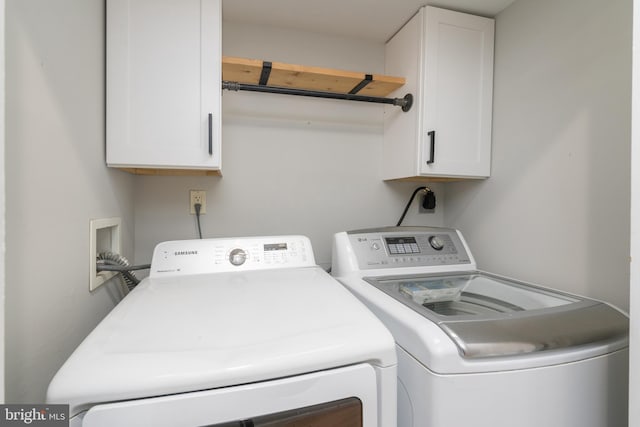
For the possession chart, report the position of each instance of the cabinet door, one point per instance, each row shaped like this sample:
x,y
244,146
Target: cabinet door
x,y
457,94
163,84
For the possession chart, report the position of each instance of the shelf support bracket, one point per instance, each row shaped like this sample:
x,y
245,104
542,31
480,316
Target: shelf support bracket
x,y
265,73
368,78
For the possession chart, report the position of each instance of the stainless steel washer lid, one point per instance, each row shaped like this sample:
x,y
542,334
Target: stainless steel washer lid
x,y
489,316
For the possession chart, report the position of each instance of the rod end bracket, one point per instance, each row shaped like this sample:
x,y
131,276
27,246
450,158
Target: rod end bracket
x,y
406,103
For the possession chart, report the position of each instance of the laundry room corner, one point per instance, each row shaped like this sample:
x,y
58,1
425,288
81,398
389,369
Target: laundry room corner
x,y
556,208
57,182
507,131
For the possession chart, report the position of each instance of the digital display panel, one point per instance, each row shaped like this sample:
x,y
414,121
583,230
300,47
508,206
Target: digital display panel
x,y
402,245
275,247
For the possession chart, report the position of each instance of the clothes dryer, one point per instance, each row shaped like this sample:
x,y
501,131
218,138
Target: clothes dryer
x,y
233,332
480,349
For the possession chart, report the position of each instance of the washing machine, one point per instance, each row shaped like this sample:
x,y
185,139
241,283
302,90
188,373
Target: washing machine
x,y
233,332
477,349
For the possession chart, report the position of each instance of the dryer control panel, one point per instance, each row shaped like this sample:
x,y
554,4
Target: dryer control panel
x,y
407,247
186,257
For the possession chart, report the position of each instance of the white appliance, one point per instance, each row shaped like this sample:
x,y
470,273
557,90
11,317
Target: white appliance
x,y
476,349
233,332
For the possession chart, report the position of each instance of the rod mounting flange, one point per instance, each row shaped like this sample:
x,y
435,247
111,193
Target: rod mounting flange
x,y
406,102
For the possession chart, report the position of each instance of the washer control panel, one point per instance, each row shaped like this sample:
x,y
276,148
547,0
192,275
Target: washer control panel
x,y
413,247
187,257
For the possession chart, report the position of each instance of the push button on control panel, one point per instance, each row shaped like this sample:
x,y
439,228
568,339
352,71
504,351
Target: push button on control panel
x,y
403,248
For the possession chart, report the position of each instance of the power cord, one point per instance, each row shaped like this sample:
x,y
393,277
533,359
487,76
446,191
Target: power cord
x,y
427,191
197,208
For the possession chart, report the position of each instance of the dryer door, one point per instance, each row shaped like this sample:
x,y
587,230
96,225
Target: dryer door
x,y
344,396
344,413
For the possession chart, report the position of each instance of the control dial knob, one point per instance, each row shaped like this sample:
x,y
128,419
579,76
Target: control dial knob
x,y
436,243
237,256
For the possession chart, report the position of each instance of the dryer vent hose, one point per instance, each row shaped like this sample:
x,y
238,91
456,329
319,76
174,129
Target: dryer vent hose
x,y
112,258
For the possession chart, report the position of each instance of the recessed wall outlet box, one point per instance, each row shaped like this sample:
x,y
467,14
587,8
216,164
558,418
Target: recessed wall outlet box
x,y
197,196
104,236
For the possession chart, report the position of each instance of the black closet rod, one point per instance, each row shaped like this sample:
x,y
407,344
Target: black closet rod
x,y
405,102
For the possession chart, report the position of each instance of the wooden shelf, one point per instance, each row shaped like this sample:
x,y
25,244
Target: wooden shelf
x,y
248,71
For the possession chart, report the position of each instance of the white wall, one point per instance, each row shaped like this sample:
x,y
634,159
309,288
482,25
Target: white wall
x,y
57,181
290,164
634,374
556,208
2,203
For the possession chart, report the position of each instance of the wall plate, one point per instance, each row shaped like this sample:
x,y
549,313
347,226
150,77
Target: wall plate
x,y
104,237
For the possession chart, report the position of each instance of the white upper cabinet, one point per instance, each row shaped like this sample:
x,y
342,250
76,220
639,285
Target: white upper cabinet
x,y
447,59
163,85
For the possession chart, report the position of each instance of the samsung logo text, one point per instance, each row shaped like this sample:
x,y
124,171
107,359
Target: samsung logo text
x,y
179,253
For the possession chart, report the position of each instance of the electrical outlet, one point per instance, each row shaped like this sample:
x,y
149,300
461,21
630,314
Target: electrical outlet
x,y
197,196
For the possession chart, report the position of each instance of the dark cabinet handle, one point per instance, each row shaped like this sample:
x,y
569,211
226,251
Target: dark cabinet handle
x,y
432,150
210,134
